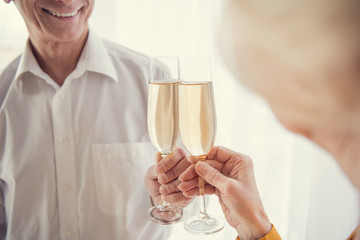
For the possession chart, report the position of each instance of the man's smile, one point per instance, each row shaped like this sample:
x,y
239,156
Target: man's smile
x,y
62,14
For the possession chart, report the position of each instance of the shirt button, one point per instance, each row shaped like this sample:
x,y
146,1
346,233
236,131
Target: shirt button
x,y
61,96
69,233
65,142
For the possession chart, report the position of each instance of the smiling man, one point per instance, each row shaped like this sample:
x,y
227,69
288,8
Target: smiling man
x,y
58,31
74,147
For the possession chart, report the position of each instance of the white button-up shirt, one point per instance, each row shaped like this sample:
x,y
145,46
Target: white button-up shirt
x,y
73,158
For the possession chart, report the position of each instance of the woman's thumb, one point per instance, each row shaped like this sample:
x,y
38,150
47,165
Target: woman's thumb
x,y
210,174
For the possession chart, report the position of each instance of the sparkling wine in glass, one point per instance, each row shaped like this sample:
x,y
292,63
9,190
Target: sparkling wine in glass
x,y
163,121
198,129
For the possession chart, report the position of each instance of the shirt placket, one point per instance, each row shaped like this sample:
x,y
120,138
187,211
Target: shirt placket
x,y
65,165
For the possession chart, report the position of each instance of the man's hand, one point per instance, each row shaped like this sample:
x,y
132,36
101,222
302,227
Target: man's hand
x,y
230,176
162,180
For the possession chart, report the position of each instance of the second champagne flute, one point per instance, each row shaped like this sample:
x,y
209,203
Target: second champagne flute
x,y
198,129
163,121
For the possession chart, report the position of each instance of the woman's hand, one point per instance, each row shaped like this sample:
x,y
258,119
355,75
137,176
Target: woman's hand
x,y
230,176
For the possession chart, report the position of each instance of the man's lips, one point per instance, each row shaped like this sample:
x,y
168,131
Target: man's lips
x,y
62,14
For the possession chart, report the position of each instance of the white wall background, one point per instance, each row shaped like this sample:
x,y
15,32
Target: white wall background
x,y
305,194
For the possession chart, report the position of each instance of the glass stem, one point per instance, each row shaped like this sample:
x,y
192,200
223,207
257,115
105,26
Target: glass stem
x,y
203,213
164,206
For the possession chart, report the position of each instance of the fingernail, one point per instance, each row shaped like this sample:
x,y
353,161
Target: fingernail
x,y
163,189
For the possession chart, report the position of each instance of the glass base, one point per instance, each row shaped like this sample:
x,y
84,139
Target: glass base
x,y
165,215
204,225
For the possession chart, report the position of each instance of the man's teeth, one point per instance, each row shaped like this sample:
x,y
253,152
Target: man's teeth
x,y
58,14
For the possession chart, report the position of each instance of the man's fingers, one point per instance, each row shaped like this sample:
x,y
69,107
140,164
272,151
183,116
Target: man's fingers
x,y
166,189
210,175
151,173
173,173
177,197
151,181
170,160
158,157
153,187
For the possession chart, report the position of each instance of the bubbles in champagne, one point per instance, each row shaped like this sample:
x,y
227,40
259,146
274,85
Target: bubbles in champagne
x,y
197,116
163,115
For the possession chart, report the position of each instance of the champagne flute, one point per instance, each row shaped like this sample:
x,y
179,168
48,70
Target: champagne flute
x,y
198,128
163,122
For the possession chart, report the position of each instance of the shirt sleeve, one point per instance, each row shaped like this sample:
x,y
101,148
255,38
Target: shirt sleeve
x,y
272,235
2,212
3,225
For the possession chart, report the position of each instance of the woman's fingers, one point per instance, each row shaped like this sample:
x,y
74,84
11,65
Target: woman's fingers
x,y
195,191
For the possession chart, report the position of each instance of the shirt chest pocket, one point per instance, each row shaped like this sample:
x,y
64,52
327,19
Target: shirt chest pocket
x,y
119,171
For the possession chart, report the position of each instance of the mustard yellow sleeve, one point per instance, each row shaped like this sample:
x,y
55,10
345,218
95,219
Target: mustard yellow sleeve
x,y
353,234
272,235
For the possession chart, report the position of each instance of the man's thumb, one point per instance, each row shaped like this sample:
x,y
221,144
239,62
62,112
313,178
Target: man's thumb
x,y
210,174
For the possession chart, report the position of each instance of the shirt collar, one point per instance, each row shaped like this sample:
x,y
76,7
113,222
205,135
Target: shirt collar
x,y
28,63
94,58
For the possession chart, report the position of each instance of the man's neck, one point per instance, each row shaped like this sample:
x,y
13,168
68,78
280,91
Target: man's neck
x,y
57,59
